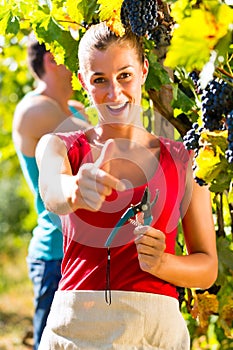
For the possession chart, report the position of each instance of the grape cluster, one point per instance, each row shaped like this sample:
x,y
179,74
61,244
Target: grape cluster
x,y
194,76
217,101
191,142
191,139
229,123
162,33
140,15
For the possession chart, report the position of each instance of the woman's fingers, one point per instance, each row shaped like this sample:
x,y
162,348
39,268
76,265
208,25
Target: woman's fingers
x,y
150,244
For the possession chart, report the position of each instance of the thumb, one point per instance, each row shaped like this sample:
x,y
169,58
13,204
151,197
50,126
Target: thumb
x,y
103,163
106,155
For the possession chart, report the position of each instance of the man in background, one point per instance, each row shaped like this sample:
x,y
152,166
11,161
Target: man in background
x,y
45,109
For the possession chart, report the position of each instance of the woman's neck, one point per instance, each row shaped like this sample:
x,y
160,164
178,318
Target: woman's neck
x,y
117,131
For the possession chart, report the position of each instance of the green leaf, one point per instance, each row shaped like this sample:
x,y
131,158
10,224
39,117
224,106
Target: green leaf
x,y
221,182
225,253
12,25
181,100
61,43
4,19
230,194
157,75
223,45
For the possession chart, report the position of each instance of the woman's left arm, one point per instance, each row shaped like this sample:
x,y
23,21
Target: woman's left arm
x,y
199,268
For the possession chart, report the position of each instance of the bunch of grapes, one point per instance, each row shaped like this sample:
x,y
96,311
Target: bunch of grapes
x,y
191,139
229,123
162,33
141,15
194,76
191,142
217,101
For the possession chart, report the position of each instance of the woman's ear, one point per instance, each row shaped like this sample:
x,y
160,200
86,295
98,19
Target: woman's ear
x,y
80,77
145,70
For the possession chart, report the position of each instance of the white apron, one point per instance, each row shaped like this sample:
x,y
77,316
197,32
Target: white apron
x,y
82,320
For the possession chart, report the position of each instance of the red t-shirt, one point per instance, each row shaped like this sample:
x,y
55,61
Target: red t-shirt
x,y
85,232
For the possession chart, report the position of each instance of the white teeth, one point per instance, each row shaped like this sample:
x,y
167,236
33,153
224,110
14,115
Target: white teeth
x,y
117,106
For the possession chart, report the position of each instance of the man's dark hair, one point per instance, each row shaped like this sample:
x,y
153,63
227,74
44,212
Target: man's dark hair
x,y
36,53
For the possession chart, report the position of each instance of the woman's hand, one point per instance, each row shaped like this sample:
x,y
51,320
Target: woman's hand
x,y
150,244
93,182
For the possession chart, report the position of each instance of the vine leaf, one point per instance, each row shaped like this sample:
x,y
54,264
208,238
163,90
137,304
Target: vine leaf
x,y
107,8
181,100
60,42
225,260
75,11
205,304
230,194
4,20
207,30
211,164
110,12
157,75
12,25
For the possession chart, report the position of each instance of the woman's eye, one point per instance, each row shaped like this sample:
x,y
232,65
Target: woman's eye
x,y
125,75
99,80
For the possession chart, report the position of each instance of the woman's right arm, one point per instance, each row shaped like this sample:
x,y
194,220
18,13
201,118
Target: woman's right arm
x,y
55,176
63,192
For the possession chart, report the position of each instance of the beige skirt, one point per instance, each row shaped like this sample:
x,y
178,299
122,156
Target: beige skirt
x,y
82,320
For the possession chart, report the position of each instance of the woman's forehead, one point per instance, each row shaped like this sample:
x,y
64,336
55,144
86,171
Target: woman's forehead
x,y
115,55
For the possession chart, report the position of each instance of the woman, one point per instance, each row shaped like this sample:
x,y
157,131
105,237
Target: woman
x,y
91,179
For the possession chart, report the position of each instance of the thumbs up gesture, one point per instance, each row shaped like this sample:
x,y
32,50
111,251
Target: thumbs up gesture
x,y
94,182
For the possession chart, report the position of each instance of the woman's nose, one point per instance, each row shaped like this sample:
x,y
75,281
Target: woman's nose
x,y
114,90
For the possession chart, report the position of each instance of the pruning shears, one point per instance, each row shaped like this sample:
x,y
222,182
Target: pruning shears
x,y
143,206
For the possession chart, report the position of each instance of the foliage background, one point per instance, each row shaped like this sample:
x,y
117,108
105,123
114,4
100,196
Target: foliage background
x,y
201,33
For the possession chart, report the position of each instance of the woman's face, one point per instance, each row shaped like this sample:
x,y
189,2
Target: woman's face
x,y
113,79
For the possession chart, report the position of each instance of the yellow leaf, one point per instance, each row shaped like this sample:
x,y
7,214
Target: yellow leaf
x,y
114,23
196,35
205,304
110,12
181,9
208,164
224,18
74,11
107,8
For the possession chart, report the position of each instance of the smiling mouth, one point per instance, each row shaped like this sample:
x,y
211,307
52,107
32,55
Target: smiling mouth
x,y
117,107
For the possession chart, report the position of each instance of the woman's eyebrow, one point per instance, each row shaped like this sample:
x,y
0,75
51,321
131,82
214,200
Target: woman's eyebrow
x,y
119,70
